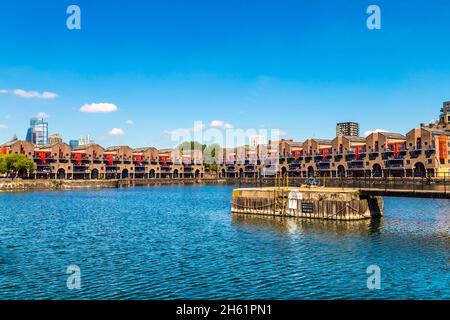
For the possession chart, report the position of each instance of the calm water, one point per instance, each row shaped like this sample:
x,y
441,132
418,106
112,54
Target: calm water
x,y
182,242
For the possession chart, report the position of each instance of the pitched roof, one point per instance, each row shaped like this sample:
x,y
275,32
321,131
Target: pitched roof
x,y
113,148
322,141
47,146
437,131
9,143
12,142
393,135
85,146
297,144
355,139
165,150
143,149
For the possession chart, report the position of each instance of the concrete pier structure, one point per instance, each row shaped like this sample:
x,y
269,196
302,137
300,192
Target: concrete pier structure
x,y
307,202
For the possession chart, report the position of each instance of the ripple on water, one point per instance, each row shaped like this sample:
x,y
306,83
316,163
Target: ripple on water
x,y
182,242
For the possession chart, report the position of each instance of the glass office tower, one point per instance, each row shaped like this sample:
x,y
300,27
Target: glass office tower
x,y
38,132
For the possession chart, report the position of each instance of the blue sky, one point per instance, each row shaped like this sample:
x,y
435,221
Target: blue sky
x,y
299,66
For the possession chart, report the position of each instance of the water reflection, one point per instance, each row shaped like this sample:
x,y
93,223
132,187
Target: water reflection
x,y
305,225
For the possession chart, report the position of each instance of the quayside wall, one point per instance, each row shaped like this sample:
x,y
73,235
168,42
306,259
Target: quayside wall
x,y
47,184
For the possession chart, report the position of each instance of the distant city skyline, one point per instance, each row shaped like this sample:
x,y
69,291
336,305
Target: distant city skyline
x,y
133,77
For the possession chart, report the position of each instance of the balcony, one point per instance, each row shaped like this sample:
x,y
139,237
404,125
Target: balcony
x,y
137,165
251,162
353,157
294,161
356,160
295,165
49,159
338,156
295,157
353,151
41,164
392,150
356,167
115,160
320,155
83,159
393,157
395,166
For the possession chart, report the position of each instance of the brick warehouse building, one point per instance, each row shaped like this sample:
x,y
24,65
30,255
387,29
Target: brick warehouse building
x,y
60,161
422,151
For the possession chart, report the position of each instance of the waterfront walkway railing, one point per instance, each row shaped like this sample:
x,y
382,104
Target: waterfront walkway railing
x,y
438,184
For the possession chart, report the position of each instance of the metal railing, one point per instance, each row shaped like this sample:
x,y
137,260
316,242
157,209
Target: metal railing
x,y
439,184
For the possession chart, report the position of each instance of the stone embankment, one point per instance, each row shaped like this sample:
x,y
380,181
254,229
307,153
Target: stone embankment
x,y
27,185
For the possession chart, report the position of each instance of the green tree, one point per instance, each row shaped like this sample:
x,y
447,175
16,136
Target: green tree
x,y
192,145
211,155
12,164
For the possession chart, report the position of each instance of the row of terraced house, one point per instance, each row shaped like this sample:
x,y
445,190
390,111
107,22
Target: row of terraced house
x,y
91,161
423,151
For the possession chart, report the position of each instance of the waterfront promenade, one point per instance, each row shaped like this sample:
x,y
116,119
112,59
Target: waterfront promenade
x,y
393,187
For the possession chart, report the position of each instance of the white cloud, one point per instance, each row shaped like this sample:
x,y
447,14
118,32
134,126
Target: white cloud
x,y
98,107
30,94
220,124
368,132
116,132
3,126
42,115
130,122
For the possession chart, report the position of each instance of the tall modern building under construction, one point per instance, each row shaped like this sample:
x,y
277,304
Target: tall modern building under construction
x,y
347,129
